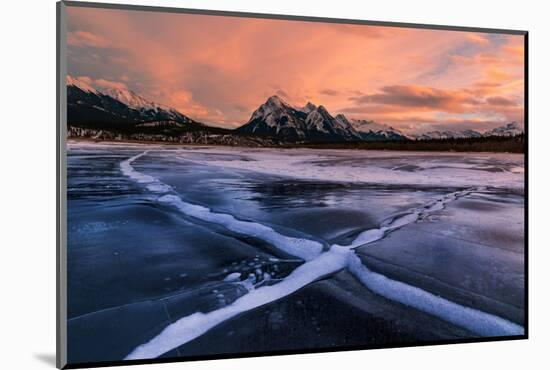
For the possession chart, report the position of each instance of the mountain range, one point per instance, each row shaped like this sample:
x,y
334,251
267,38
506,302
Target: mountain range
x,y
311,123
118,111
510,129
448,134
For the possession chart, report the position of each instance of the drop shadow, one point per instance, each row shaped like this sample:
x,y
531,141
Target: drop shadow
x,y
46,358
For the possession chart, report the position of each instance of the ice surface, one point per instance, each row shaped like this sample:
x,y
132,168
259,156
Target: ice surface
x,y
299,247
434,169
337,258
471,172
234,276
476,321
471,253
412,215
303,248
192,326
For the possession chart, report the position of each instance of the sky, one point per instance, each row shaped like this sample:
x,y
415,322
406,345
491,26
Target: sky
x,y
218,70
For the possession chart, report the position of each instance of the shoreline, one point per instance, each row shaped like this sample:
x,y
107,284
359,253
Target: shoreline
x,y
321,146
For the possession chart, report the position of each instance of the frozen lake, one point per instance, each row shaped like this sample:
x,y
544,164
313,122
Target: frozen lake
x,y
189,251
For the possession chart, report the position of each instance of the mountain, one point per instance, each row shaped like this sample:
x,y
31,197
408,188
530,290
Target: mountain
x,y
80,84
311,123
373,131
344,124
471,133
121,114
511,129
276,118
114,107
130,98
308,107
448,134
147,108
322,125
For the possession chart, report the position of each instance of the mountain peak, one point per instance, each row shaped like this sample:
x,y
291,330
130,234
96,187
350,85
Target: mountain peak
x,y
130,98
341,116
321,109
308,107
345,123
311,123
80,83
368,125
275,100
509,129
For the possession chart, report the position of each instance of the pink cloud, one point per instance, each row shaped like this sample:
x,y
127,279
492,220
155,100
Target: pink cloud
x,y
501,101
106,84
222,68
84,38
184,102
477,38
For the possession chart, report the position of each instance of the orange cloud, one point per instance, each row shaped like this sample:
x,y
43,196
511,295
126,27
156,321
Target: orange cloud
x,y
102,83
84,38
498,74
501,101
183,101
220,69
478,39
87,80
421,98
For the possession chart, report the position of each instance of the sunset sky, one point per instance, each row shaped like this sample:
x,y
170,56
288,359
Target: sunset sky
x,y
218,70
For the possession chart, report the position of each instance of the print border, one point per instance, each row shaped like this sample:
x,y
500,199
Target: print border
x,y
61,175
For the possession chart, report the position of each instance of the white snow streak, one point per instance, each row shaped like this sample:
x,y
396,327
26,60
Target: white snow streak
x,y
476,321
193,326
409,217
299,247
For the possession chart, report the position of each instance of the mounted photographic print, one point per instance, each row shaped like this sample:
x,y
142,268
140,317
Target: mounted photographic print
x,y
235,184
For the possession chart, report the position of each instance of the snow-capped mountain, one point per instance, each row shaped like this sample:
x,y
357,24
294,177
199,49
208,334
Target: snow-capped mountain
x,y
511,129
88,105
130,98
114,112
471,133
437,135
321,123
311,123
371,130
345,124
308,107
364,125
81,84
276,118
448,134
148,108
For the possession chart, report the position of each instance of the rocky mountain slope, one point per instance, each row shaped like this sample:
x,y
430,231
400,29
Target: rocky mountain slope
x,y
312,123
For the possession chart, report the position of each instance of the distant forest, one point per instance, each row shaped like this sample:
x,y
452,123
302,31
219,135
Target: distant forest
x,y
514,144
